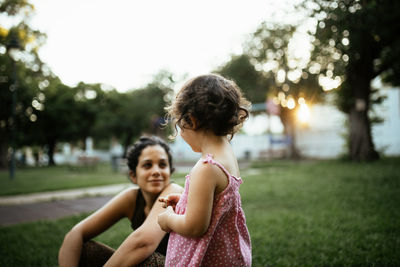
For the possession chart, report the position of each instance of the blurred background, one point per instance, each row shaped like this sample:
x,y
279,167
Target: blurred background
x,y
82,80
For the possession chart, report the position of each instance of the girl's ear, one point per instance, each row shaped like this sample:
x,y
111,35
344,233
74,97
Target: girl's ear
x,y
193,122
132,177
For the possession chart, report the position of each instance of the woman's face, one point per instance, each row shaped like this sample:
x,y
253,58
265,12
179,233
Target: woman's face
x,y
153,170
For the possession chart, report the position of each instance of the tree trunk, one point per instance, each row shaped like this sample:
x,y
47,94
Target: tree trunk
x,y
3,154
291,130
361,143
127,142
50,153
287,117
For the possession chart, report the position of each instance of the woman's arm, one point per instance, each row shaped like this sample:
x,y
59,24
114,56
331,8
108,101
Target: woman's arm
x,y
195,221
143,241
120,206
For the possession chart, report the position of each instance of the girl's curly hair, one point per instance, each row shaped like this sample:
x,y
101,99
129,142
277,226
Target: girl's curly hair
x,y
215,103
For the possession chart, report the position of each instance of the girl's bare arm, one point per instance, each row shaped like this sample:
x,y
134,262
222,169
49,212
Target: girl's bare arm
x,y
196,220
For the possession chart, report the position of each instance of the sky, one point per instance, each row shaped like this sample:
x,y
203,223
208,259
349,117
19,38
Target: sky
x,y
125,43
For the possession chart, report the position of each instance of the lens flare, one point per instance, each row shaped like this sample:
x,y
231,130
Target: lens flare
x,y
303,113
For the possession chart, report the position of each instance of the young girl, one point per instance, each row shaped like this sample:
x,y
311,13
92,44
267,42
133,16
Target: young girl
x,y
208,226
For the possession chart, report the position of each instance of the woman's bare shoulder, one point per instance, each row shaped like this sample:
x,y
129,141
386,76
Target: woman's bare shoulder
x,y
127,194
125,201
172,188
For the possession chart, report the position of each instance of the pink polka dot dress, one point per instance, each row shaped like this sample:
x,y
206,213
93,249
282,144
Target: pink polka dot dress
x,y
227,240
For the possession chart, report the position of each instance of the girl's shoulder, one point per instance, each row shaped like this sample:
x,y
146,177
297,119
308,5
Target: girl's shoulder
x,y
208,167
226,164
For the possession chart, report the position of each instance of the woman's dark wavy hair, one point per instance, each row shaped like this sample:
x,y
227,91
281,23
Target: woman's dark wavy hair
x,y
216,104
134,151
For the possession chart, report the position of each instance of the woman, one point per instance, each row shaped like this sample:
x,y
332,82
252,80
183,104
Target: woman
x,y
150,167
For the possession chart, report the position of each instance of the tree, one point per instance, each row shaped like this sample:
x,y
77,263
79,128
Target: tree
x,y
128,115
269,67
356,42
252,82
29,70
57,119
66,114
89,100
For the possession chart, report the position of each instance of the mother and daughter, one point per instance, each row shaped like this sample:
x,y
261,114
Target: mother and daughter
x,y
205,222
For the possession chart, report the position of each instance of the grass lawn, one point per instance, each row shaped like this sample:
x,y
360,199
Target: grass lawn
x,y
32,180
322,213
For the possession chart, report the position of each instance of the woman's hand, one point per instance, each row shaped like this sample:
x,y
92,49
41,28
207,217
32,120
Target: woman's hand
x,y
163,219
170,200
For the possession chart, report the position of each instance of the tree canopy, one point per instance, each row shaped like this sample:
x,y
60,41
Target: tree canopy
x,y
21,70
48,112
355,42
270,69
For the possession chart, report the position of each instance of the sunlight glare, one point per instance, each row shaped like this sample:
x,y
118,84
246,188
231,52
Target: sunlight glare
x,y
291,104
281,76
303,113
328,83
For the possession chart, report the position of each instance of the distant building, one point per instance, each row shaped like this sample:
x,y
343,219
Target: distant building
x,y
323,138
244,147
325,135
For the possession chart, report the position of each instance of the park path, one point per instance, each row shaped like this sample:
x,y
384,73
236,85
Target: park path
x,y
20,213
58,204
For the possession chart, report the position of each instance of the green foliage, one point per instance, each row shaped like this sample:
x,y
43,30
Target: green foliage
x,y
136,112
356,40
269,50
52,112
20,67
15,7
64,115
26,92
321,213
253,84
269,68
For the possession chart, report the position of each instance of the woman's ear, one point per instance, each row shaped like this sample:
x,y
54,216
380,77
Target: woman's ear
x,y
132,177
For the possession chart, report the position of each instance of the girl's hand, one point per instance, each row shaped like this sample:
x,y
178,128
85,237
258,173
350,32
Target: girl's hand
x,y
170,200
163,219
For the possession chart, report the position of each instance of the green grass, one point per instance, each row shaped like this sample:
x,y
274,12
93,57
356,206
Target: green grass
x,y
37,244
32,180
327,213
324,213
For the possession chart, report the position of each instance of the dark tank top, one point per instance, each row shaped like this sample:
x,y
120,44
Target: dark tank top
x,y
139,217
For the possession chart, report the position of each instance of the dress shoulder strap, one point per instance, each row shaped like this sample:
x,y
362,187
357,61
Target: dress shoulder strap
x,y
210,159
